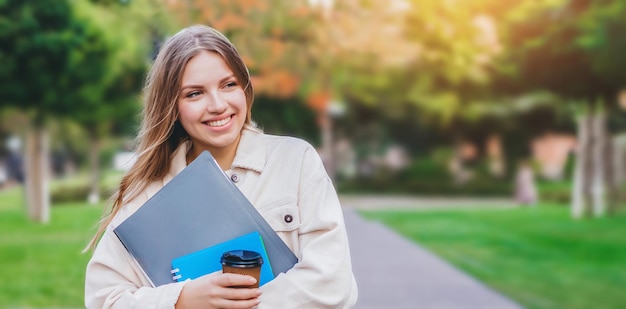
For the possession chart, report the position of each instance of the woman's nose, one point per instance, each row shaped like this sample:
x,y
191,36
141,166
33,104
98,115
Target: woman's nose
x,y
216,103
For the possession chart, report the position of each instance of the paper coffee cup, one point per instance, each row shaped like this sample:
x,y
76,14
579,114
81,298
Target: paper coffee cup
x,y
243,262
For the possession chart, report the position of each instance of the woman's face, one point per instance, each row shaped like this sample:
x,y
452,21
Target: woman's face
x,y
212,105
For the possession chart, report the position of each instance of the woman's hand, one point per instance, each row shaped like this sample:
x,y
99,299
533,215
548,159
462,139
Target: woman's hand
x,y
215,291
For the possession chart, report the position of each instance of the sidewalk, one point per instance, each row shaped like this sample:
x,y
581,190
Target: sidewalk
x,y
392,272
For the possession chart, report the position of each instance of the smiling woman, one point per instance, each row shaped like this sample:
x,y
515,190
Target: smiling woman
x,y
212,107
198,97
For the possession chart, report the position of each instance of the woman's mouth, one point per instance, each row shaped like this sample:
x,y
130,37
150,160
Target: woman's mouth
x,y
219,123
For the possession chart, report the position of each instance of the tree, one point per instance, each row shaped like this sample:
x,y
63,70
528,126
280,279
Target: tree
x,y
573,49
440,76
113,101
50,57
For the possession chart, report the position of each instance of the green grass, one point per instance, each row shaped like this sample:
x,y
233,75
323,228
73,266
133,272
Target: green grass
x,y
42,265
539,257
11,199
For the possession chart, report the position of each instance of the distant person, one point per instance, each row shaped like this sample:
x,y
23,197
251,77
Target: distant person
x,y
57,159
525,189
4,174
15,165
14,160
198,97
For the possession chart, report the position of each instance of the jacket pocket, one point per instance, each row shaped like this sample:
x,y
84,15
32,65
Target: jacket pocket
x,y
283,215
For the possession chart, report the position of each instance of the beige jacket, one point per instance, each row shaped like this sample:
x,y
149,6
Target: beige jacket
x,y
285,180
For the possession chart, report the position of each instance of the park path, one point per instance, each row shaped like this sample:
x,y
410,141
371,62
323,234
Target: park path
x,y
394,273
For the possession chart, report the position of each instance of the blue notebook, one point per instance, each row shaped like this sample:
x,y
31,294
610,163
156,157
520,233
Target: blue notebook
x,y
207,260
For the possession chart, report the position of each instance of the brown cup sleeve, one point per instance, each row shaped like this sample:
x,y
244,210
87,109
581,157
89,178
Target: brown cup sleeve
x,y
248,271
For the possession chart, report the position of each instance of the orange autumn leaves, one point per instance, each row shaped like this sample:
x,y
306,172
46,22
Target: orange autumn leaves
x,y
256,28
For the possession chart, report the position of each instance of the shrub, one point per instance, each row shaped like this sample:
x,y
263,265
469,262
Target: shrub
x,y
428,177
69,193
78,191
558,192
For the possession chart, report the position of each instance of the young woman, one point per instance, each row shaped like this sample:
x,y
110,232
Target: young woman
x,y
198,97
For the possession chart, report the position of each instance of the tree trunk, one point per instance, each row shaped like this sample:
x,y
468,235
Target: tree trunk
x,y
495,155
609,167
94,169
619,168
37,175
580,191
598,190
328,153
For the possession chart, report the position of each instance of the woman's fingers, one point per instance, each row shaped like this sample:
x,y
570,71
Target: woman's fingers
x,y
237,294
230,280
236,304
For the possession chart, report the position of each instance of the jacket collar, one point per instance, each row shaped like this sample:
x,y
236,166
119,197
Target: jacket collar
x,y
251,152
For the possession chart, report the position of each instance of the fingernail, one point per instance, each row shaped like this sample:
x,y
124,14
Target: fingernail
x,y
252,280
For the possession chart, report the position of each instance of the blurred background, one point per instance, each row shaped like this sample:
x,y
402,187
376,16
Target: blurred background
x,y
522,101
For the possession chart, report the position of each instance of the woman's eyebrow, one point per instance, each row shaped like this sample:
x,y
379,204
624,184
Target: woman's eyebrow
x,y
190,86
227,77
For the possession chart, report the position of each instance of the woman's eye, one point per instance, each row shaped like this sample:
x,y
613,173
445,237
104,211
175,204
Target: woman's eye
x,y
193,94
230,85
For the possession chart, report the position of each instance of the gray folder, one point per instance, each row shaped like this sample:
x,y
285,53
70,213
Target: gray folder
x,y
197,209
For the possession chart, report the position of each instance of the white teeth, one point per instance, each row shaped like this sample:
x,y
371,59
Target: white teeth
x,y
219,123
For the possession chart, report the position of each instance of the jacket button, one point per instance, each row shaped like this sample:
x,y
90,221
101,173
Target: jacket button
x,y
288,218
234,178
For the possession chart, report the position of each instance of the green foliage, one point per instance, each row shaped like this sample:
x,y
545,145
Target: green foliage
x,y
75,193
51,58
72,60
559,192
111,2
76,189
428,168
450,72
285,117
572,48
527,253
428,177
426,187
113,108
69,193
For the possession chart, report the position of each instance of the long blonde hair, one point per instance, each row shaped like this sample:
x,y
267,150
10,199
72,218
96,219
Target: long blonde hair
x,y
161,132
